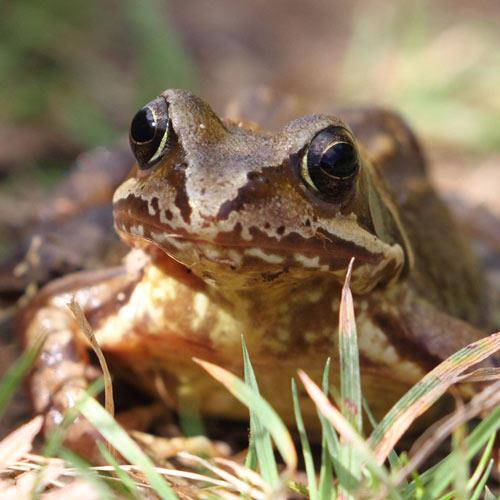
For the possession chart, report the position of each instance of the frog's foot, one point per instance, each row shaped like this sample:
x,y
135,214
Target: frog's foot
x,y
161,448
60,376
62,372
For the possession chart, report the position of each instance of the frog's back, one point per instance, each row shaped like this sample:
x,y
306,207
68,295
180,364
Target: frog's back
x,y
445,270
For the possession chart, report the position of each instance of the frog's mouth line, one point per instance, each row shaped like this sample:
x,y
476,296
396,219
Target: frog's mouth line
x,y
189,250
229,250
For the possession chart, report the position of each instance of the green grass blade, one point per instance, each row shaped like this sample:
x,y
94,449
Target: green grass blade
x,y
476,494
306,449
329,431
325,488
394,460
330,440
421,396
445,472
259,436
16,373
55,441
481,465
449,496
461,463
438,478
125,445
127,482
251,458
190,418
267,415
350,379
345,429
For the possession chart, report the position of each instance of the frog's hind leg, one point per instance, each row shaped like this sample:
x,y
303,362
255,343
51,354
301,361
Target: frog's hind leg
x,y
62,370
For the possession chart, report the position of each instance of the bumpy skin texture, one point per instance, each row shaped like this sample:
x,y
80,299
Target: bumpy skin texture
x,y
230,240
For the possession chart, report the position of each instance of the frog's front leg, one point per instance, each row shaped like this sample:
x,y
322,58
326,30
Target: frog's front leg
x,y
419,330
62,370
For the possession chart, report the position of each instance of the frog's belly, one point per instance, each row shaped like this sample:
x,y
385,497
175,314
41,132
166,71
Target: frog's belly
x,y
146,358
182,378
166,323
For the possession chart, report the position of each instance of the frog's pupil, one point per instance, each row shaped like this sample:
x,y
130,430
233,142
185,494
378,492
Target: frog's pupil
x,y
339,160
143,126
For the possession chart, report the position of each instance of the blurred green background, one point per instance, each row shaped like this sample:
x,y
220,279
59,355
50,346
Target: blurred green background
x,y
73,73
76,71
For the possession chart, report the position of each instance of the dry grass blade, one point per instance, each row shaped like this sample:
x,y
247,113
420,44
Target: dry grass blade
x,y
238,484
418,399
34,465
80,318
227,495
165,472
248,475
32,482
19,442
488,374
36,461
76,489
486,400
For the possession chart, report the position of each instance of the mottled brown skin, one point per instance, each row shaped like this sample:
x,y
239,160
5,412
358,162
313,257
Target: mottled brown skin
x,y
231,240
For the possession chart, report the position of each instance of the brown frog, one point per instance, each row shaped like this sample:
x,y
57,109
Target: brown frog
x,y
242,231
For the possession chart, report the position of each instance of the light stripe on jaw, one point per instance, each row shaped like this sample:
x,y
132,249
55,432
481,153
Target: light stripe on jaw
x,y
136,230
310,262
270,258
164,238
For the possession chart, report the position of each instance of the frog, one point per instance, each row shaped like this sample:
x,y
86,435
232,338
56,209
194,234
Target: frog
x,y
241,231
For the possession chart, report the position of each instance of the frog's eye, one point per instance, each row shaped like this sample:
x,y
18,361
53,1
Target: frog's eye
x,y
149,133
330,163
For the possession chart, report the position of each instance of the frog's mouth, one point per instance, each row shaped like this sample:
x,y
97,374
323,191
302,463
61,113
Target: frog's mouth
x,y
263,258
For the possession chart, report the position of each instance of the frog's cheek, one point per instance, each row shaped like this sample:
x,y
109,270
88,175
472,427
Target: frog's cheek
x,y
366,277
385,267
386,222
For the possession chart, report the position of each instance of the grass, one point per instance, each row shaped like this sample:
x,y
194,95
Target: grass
x,y
352,464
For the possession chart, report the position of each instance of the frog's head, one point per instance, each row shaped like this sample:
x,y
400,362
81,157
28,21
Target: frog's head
x,y
235,203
